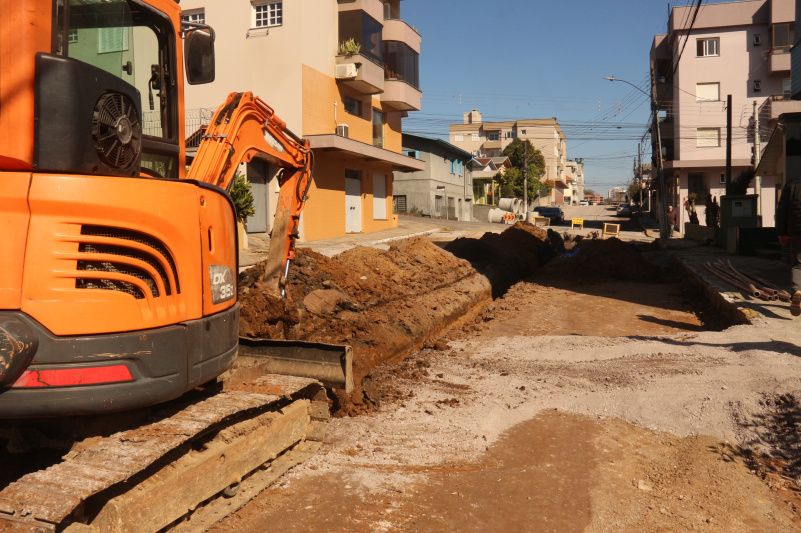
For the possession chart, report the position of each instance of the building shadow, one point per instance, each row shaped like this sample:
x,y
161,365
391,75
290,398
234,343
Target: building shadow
x,y
775,346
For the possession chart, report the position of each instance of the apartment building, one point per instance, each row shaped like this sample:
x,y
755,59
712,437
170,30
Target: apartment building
x,y
738,48
347,101
488,139
444,188
574,177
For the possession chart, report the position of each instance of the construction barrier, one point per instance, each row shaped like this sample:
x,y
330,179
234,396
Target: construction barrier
x,y
577,222
611,230
542,221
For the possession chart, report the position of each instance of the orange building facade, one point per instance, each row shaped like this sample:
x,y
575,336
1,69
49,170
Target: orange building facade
x,y
342,74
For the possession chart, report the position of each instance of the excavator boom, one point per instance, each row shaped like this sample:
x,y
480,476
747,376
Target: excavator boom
x,y
237,134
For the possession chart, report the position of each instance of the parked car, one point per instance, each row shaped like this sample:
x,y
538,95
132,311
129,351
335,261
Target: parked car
x,y
624,210
554,214
584,202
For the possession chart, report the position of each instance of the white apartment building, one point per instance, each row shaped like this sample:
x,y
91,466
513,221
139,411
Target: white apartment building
x,y
488,139
735,48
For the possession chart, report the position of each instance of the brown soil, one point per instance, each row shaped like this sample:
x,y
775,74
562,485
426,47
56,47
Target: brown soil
x,y
557,472
601,260
386,304
505,258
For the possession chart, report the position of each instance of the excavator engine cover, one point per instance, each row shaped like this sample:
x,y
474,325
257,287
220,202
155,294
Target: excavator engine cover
x,y
93,128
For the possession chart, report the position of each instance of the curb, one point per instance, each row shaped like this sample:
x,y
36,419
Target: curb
x,y
726,306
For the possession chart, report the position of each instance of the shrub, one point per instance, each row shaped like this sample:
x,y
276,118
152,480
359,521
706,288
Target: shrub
x,y
242,195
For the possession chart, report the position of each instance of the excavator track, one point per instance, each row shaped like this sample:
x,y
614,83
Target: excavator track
x,y
153,476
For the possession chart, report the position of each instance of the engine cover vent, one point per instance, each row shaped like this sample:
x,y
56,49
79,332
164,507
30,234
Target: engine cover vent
x,y
127,261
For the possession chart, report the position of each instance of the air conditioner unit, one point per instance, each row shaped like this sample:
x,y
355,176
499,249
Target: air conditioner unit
x,y
347,71
343,130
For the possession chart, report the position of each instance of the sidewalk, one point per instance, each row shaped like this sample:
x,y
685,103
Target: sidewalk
x,y
438,230
730,301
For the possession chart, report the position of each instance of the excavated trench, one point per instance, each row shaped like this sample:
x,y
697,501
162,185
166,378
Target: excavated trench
x,y
387,304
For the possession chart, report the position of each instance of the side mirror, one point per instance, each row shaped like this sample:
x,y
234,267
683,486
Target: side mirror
x,y
199,55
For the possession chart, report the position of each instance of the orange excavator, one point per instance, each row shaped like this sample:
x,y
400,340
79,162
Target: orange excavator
x,y
118,274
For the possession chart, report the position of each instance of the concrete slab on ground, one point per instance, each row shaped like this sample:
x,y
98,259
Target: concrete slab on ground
x,y
693,257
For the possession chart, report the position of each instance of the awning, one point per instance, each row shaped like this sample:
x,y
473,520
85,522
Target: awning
x,y
399,162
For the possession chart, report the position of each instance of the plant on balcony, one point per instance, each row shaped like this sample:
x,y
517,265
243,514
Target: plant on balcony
x,y
349,47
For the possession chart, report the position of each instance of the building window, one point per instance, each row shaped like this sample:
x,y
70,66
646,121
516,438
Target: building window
x,y
707,92
722,178
787,86
378,128
757,85
475,137
399,204
111,40
197,16
707,137
365,30
508,135
268,14
708,47
493,135
352,106
783,36
696,186
401,63
522,132
757,39
458,138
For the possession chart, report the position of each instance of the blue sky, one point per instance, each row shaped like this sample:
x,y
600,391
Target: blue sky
x,y
536,58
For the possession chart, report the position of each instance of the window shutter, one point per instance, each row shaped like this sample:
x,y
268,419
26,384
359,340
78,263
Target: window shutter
x,y
707,91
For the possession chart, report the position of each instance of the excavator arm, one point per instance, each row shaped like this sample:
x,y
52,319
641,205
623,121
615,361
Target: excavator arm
x,y
236,135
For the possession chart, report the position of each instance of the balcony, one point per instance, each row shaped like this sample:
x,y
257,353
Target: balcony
x,y
361,74
401,31
776,105
492,145
779,61
401,96
374,8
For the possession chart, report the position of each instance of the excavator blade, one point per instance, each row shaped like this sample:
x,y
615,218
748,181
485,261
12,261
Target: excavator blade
x,y
330,364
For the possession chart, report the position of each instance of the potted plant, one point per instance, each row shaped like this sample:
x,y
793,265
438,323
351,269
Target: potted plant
x,y
242,196
349,47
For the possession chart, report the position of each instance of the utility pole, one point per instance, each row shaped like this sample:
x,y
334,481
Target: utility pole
x,y
757,154
525,178
728,145
639,171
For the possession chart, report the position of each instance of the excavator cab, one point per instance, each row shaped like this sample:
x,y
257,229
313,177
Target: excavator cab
x,y
118,278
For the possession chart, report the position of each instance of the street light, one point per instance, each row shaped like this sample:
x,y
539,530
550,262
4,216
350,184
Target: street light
x,y
664,230
612,78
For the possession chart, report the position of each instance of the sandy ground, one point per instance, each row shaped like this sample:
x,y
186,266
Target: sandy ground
x,y
649,424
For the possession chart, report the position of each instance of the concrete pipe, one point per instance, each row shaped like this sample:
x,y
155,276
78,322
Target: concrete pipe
x,y
495,216
511,204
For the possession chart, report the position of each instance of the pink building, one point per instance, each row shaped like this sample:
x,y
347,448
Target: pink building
x,y
739,48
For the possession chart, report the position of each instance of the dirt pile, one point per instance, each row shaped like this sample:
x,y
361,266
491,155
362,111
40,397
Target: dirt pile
x,y
595,260
505,258
386,304
383,303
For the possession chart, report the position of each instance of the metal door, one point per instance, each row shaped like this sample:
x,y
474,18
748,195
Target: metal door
x,y
257,176
353,205
379,197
